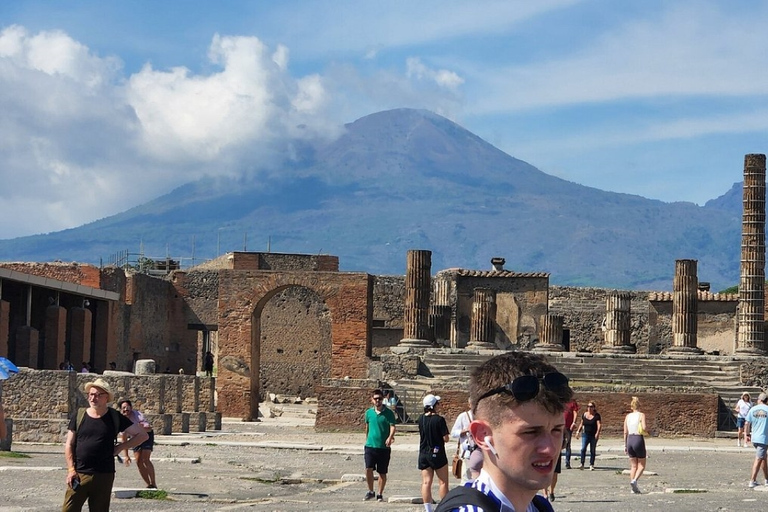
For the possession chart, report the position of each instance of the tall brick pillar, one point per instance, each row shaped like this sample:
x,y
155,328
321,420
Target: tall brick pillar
x,y
618,323
416,312
751,335
5,310
551,335
27,346
482,325
54,350
80,337
440,313
685,308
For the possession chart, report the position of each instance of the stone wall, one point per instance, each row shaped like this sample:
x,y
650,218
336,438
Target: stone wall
x,y
40,402
76,273
388,306
341,407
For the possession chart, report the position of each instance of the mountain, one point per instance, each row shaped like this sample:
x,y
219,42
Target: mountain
x,y
410,179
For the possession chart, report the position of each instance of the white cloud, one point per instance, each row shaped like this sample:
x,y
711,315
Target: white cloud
x,y
442,77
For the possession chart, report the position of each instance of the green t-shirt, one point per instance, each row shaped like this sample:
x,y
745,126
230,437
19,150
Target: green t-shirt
x,y
378,426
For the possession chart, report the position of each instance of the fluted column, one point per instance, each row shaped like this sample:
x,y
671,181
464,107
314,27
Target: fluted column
x,y
482,326
751,335
440,313
417,288
551,335
618,323
685,308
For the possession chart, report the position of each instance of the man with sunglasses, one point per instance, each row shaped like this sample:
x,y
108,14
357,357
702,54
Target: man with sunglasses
x,y
380,434
518,401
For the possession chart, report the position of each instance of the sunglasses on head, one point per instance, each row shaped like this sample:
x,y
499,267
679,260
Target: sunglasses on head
x,y
526,387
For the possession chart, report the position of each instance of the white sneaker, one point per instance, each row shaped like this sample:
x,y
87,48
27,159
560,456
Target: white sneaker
x,y
738,443
752,484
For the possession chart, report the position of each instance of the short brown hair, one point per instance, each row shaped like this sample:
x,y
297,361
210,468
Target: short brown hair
x,y
503,369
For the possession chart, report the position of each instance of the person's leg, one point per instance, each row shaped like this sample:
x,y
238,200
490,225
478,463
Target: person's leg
x,y
382,483
369,478
592,449
640,468
583,449
755,469
146,468
442,478
100,492
427,475
568,437
74,500
632,468
552,485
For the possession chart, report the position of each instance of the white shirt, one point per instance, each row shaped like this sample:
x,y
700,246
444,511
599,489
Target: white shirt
x,y
462,423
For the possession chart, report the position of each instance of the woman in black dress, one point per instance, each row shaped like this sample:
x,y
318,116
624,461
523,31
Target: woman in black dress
x,y
591,423
433,434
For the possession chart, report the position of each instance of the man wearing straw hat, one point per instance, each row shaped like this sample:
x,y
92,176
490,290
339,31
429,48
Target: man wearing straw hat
x,y
90,449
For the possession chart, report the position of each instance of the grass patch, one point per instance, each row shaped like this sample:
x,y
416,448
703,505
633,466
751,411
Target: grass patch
x,y
262,480
153,494
688,491
14,455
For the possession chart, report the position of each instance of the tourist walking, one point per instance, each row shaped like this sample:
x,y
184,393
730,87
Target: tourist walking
x,y
634,443
380,434
143,452
518,401
90,449
570,415
466,444
590,426
433,434
742,408
756,428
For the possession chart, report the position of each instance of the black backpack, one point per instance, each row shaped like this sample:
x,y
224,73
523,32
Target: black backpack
x,y
463,495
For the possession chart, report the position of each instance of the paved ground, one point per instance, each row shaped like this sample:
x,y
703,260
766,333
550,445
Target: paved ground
x,y
283,465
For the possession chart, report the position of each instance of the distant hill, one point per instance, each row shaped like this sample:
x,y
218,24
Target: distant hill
x,y
410,179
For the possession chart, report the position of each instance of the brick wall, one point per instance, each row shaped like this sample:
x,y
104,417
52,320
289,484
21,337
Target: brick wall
x,y
77,273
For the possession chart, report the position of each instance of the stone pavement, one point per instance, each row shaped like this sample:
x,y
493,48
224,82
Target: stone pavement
x,y
284,465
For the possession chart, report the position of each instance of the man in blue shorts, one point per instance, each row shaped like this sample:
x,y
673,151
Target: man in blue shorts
x,y
380,434
757,433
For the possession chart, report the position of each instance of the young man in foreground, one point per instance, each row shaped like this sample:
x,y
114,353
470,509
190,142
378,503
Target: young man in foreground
x,y
518,401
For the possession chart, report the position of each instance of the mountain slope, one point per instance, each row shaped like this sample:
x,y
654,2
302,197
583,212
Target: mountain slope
x,y
409,179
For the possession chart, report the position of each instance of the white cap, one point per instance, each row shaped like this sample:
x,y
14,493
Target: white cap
x,y
430,400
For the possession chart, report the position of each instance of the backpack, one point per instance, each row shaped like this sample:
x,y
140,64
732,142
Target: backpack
x,y
112,413
463,495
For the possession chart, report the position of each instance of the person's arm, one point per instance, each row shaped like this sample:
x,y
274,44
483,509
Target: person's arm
x,y
459,427
626,432
599,427
748,430
69,456
126,456
391,438
136,435
642,422
581,424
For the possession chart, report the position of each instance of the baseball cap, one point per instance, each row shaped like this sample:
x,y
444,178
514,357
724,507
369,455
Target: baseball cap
x,y
430,400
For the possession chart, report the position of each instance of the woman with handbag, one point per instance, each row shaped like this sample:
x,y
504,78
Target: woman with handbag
x,y
634,443
465,445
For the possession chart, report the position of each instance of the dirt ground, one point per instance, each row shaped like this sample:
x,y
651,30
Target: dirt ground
x,y
270,466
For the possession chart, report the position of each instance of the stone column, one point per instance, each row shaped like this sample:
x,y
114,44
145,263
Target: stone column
x,y
440,313
482,326
80,337
551,335
416,311
618,323
27,346
685,308
55,337
5,309
751,334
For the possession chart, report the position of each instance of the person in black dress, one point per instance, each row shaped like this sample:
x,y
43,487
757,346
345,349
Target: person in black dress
x,y
433,434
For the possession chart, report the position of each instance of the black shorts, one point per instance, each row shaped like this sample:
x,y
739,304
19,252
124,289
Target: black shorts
x,y
426,460
377,459
148,444
636,446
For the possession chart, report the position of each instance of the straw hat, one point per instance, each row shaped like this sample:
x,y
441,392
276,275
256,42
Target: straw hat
x,y
102,385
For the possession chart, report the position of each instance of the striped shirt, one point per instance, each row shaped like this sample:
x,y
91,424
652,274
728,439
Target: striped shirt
x,y
485,484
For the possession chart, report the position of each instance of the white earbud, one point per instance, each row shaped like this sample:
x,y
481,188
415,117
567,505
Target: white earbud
x,y
487,440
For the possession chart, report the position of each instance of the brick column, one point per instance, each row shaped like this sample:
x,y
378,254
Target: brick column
x,y
482,327
27,346
551,335
685,308
416,311
618,323
55,337
751,334
80,337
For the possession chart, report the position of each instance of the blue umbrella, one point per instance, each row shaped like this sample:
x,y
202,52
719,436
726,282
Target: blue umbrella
x,y
7,368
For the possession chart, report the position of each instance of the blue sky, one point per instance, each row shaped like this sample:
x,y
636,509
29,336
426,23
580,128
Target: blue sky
x,y
110,104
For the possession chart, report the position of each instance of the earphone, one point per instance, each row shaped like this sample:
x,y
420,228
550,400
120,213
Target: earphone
x,y
487,440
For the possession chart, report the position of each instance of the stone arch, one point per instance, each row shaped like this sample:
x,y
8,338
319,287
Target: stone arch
x,y
242,298
295,342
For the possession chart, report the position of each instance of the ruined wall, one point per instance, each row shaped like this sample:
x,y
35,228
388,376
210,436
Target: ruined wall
x,y
295,342
40,402
77,273
388,306
716,325
341,406
583,311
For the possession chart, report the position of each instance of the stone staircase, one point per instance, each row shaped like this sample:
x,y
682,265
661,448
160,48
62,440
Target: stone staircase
x,y
715,373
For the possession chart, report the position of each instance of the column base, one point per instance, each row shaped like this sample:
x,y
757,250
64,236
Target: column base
x,y
749,351
693,351
481,345
549,347
618,349
414,343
